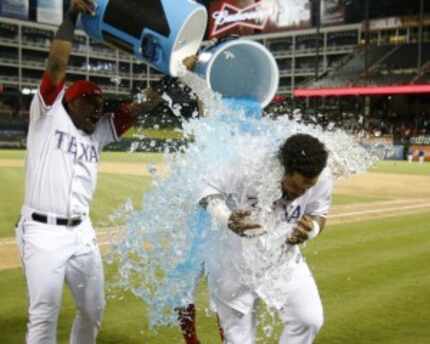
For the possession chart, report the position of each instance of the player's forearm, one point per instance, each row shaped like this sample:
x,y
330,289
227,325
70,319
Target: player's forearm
x,y
58,60
61,47
219,211
217,208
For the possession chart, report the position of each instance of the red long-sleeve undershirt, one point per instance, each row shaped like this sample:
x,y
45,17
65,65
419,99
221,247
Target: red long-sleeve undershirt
x,y
122,118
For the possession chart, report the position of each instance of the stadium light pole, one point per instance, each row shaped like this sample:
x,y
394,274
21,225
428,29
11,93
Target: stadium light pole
x,y
317,16
366,38
420,36
366,99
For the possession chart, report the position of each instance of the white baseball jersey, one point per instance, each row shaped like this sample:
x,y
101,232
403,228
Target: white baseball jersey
x,y
61,163
232,254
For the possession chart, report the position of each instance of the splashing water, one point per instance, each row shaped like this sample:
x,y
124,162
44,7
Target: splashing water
x,y
161,254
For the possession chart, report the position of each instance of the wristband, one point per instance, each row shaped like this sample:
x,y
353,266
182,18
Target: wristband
x,y
316,229
219,211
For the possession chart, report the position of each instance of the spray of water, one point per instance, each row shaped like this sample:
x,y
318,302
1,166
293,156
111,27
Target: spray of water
x,y
160,256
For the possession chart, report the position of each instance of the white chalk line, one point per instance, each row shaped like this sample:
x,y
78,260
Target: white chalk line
x,y
405,201
373,211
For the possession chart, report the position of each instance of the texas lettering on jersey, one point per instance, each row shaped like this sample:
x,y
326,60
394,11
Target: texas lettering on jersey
x,y
81,151
294,215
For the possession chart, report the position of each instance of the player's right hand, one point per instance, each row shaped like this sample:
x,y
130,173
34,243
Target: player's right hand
x,y
190,61
301,231
83,6
239,223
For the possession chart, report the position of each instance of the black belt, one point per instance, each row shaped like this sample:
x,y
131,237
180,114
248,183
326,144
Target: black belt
x,y
59,221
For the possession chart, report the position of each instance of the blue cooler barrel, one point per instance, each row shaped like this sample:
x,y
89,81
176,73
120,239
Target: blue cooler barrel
x,y
240,68
160,32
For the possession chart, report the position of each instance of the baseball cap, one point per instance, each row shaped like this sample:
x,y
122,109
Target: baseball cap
x,y
81,88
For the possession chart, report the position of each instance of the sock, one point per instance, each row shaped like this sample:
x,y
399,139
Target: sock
x,y
220,330
187,322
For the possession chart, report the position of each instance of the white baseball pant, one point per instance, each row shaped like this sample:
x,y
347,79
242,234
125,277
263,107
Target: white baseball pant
x,y
53,254
302,315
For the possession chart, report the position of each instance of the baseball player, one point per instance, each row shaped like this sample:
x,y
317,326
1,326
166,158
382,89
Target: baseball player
x,y
297,216
57,242
421,156
410,155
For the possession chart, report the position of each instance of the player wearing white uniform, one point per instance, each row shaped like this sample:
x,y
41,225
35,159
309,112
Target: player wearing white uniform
x,y
57,242
300,215
421,156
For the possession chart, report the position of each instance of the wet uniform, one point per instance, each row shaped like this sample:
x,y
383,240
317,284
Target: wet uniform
x,y
288,287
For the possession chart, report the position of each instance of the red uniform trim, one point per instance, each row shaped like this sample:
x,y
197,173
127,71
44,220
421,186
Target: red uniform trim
x,y
48,90
123,119
187,322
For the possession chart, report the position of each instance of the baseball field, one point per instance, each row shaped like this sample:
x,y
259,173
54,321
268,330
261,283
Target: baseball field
x,y
371,263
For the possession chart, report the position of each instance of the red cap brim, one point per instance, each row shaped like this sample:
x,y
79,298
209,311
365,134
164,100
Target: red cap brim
x,y
82,88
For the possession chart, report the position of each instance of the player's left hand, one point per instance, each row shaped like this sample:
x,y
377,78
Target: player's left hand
x,y
190,61
301,231
239,223
83,6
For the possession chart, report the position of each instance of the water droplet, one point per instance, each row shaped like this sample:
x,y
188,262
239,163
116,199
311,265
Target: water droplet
x,y
160,254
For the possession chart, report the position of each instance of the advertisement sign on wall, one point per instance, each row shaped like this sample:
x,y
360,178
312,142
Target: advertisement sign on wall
x,y
247,17
50,11
14,8
420,140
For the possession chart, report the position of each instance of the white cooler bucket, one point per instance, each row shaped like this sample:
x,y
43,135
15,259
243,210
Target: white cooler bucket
x,y
160,32
240,68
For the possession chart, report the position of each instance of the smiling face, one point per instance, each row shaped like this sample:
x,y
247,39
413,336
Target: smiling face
x,y
86,111
295,185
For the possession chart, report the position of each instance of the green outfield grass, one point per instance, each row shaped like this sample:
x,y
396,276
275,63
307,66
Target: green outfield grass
x,y
12,154
162,134
402,167
106,156
132,157
11,196
112,191
373,277
342,199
